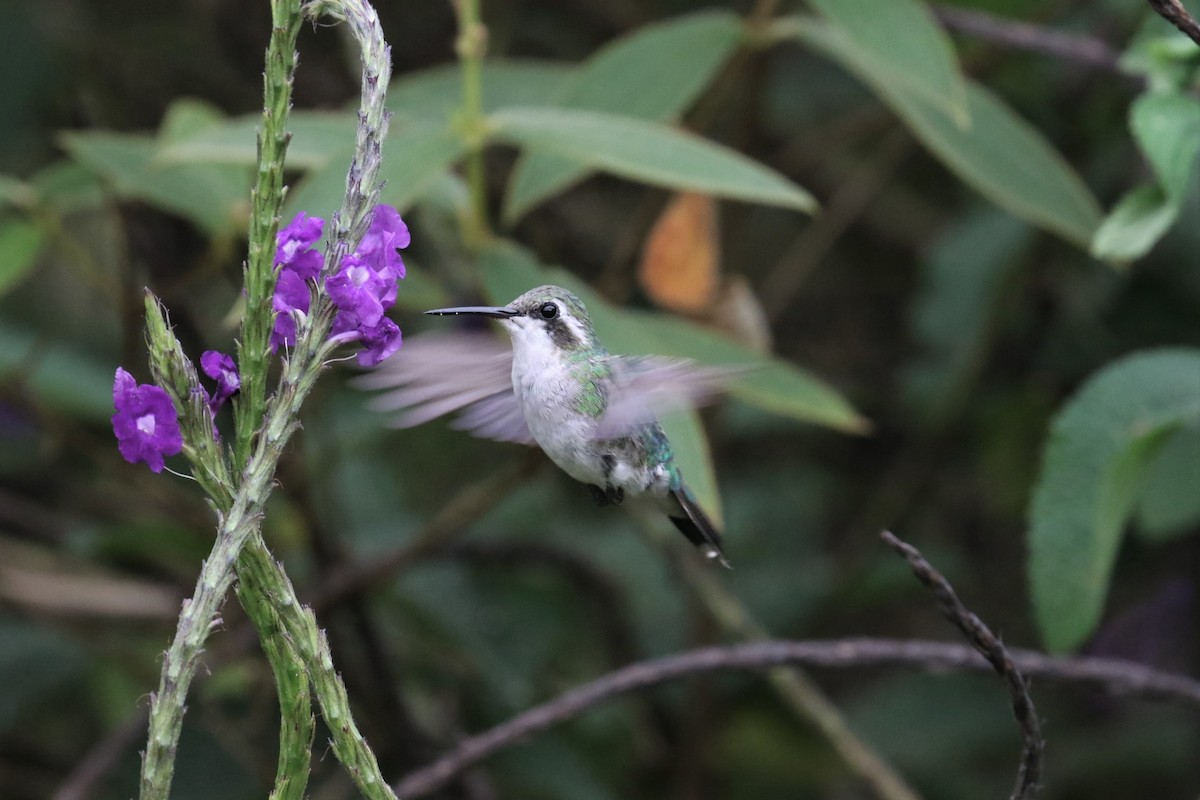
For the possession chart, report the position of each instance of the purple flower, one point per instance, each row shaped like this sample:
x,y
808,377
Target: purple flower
x,y
291,294
223,370
293,246
146,424
379,340
383,239
358,289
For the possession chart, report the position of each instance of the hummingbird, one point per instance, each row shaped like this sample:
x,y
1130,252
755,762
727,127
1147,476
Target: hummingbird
x,y
595,414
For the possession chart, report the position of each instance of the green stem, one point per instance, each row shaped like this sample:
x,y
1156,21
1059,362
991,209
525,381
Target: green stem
x,y
297,725
471,47
299,625
266,199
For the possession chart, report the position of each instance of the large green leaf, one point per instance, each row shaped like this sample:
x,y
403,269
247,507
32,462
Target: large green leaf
x,y
316,137
768,383
1167,128
213,197
654,73
1000,155
1093,466
903,38
414,156
433,95
647,152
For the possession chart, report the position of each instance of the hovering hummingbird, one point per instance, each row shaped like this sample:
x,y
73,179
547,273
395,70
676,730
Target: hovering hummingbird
x,y
593,413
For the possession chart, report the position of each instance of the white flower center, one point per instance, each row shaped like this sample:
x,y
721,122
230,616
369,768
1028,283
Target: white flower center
x,y
145,424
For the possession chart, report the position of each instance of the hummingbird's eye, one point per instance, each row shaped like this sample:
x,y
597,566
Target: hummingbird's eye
x,y
548,311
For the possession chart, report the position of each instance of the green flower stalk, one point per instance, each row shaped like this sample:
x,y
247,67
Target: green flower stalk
x,y
308,306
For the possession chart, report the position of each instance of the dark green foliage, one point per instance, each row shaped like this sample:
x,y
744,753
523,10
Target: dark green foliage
x,y
948,360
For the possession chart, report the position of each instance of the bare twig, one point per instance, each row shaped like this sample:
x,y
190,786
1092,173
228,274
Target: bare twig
x,y
1174,12
1114,676
990,646
1071,47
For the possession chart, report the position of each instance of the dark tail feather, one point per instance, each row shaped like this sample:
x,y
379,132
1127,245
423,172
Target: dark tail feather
x,y
698,528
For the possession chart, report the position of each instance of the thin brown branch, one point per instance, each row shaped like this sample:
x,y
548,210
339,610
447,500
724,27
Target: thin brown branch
x,y
1075,48
1113,676
990,647
1174,12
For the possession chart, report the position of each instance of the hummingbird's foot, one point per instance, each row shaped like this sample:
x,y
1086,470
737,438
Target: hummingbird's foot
x,y
598,494
609,495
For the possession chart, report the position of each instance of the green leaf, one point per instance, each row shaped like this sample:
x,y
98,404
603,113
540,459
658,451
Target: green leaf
x,y
1169,504
214,197
647,152
769,383
20,242
1167,128
1000,155
57,374
902,37
434,95
1094,462
414,156
654,73
317,137
14,192
1135,224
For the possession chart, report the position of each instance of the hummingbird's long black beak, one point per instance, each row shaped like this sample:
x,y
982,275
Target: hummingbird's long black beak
x,y
499,312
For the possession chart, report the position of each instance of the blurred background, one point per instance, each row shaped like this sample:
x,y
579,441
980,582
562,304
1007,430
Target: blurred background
x,y
462,581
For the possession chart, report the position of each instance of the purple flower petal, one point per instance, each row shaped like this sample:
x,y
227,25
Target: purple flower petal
x,y
223,370
146,423
293,246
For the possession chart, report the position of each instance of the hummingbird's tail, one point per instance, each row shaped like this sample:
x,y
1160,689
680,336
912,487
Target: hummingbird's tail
x,y
697,527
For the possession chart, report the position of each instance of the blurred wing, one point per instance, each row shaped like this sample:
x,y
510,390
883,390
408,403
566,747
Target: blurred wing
x,y
647,387
436,374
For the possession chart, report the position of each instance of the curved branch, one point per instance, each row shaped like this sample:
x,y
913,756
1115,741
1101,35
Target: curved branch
x,y
1114,676
1174,12
990,647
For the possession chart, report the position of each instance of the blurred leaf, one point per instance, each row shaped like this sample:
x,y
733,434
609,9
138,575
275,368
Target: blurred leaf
x,y
1000,155
903,38
68,186
962,277
14,192
57,374
647,152
33,660
680,58
434,95
187,117
317,136
414,156
212,196
1167,128
770,383
1094,462
1135,224
680,268
20,242
1169,504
